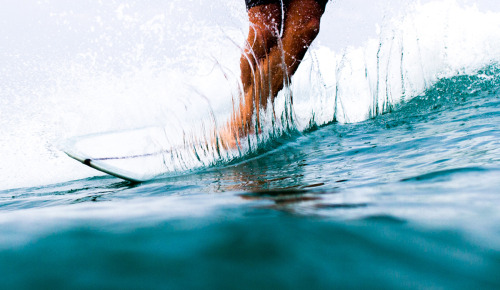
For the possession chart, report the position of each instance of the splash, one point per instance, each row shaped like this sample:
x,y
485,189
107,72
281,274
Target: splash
x,y
430,42
126,65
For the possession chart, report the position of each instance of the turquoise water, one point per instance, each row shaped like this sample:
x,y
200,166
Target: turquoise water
x,y
406,199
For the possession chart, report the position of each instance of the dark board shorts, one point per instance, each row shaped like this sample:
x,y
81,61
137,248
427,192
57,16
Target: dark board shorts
x,y
253,3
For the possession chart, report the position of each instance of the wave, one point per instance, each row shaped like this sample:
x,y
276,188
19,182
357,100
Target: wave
x,y
116,82
422,52
431,42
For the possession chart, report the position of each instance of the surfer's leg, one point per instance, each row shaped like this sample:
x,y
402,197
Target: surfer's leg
x,y
277,63
301,26
265,24
263,34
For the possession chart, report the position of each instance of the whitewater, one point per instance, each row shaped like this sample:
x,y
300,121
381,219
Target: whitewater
x,y
114,69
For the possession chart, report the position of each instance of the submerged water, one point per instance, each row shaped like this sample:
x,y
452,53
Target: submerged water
x,y
407,199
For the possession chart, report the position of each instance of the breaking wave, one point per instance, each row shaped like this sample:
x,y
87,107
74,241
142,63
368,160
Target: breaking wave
x,y
177,82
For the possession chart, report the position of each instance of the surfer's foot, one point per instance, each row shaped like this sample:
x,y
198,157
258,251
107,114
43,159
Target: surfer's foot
x,y
228,138
244,122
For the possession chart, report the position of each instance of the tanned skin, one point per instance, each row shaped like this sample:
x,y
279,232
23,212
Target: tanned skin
x,y
269,60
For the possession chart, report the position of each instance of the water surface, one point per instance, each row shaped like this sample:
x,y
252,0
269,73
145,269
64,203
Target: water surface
x,y
406,199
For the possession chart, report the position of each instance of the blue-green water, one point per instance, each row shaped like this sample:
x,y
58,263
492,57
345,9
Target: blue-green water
x,y
408,199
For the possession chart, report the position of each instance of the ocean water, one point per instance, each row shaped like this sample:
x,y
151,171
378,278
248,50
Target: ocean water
x,y
388,176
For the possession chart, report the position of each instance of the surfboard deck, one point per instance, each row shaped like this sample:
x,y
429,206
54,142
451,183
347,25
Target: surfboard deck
x,y
104,168
135,155
139,155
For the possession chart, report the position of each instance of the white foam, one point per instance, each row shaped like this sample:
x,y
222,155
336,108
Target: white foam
x,y
431,41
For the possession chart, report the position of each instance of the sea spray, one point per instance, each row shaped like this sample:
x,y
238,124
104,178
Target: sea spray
x,y
114,66
429,42
413,51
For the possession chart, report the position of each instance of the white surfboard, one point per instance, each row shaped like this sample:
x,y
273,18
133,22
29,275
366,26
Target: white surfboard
x,y
138,155
107,168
